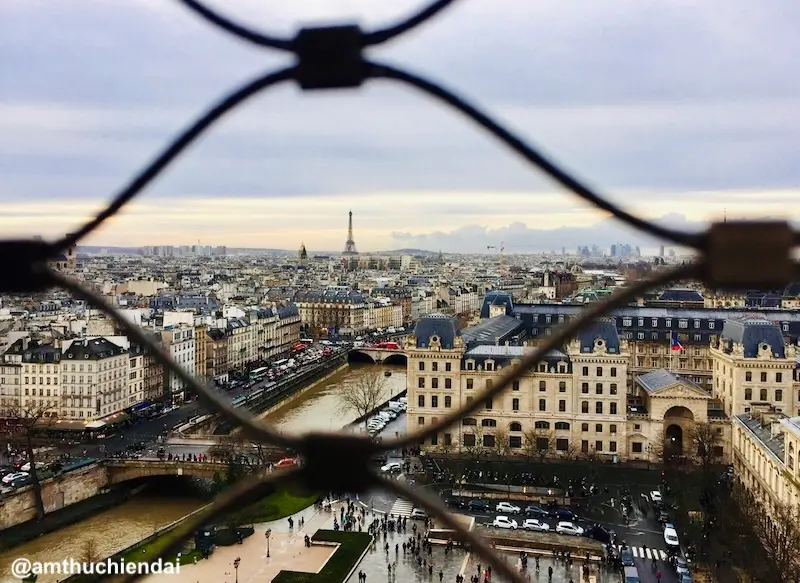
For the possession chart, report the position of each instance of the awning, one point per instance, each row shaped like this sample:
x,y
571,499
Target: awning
x,y
142,405
95,425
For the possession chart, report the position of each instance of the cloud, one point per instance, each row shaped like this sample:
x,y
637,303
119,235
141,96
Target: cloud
x,y
640,98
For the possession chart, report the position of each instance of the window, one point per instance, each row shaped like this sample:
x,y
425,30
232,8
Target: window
x,y
421,400
612,388
584,446
598,428
778,377
748,394
434,383
598,407
448,401
542,425
748,376
542,404
469,383
683,323
515,404
434,366
763,377
636,447
598,389
515,426
599,371
471,366
488,404
763,394
542,386
613,408
420,420
584,427
778,395
562,426
434,401
468,421
448,383
421,383
562,444
584,387
515,441
612,428
584,406
488,423
515,386
562,387
598,446
488,441
562,405
421,365
489,384
448,367
468,439
613,371
612,446
585,371
448,439
711,324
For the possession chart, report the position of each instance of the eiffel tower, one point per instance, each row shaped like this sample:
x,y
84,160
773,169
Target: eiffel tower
x,y
350,245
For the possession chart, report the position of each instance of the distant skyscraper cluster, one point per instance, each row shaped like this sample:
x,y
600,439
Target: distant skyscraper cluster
x,y
618,250
185,251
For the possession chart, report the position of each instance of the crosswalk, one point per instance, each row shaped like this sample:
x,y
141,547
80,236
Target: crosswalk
x,y
402,508
646,553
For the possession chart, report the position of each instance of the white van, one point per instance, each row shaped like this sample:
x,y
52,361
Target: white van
x,y
397,406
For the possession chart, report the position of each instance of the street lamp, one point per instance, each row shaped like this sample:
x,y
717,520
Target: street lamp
x,y
236,562
267,534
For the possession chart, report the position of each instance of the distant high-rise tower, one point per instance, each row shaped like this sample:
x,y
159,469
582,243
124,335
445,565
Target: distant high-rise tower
x,y
350,245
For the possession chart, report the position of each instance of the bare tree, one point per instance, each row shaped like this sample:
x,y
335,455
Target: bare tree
x,y
473,447
656,448
363,396
591,455
90,551
779,531
540,443
502,446
446,448
705,440
28,417
571,453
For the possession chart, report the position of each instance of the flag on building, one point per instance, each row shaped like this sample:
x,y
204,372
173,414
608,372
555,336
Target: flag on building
x,y
676,345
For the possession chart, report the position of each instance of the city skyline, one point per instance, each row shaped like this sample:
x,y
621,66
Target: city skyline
x,y
679,124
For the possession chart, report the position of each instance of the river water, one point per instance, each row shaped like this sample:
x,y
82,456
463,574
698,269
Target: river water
x,y
119,527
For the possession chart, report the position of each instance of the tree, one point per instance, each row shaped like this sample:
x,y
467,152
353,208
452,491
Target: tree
x,y
364,395
705,440
446,448
656,448
473,447
539,443
779,532
27,417
501,443
571,453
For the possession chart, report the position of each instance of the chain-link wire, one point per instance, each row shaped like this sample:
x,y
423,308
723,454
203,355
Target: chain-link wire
x,y
731,255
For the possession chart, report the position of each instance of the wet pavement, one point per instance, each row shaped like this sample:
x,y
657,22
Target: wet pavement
x,y
560,574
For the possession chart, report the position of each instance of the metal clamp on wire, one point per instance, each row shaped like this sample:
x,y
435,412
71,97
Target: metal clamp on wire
x,y
23,265
337,462
745,255
330,57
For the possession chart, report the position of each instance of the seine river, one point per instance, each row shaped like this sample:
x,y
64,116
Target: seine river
x,y
123,525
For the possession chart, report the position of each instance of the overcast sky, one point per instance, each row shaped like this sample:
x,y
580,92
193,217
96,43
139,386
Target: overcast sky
x,y
676,109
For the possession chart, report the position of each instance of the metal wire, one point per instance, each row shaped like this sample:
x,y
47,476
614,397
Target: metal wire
x,y
570,182
349,67
560,335
178,145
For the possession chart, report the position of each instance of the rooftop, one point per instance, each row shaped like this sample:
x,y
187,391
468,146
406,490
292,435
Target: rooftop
x,y
488,351
770,439
492,330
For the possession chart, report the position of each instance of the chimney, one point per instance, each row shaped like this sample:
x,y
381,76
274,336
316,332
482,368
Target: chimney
x,y
775,429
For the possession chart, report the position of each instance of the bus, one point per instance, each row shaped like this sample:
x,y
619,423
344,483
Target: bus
x,y
280,363
259,373
298,348
388,345
307,341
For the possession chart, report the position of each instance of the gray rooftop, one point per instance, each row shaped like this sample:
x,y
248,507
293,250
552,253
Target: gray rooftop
x,y
488,351
491,330
764,434
656,380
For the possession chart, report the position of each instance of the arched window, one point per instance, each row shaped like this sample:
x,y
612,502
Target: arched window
x,y
489,423
468,421
562,426
542,425
515,426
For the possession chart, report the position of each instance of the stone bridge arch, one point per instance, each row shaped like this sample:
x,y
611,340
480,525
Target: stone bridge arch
x,y
126,470
360,356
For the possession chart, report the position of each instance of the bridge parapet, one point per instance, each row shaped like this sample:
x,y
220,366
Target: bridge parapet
x,y
377,355
124,470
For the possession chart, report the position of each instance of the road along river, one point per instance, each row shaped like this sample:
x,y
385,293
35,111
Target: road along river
x,y
133,520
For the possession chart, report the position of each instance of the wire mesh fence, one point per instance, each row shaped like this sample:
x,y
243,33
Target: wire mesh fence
x,y
730,255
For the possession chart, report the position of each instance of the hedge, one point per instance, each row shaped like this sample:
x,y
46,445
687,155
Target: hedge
x,y
351,546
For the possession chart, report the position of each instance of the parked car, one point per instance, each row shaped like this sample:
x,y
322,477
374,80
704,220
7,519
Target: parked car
x,y
655,496
508,508
504,522
534,510
569,528
456,503
535,525
564,515
478,506
8,478
671,536
601,534
392,467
